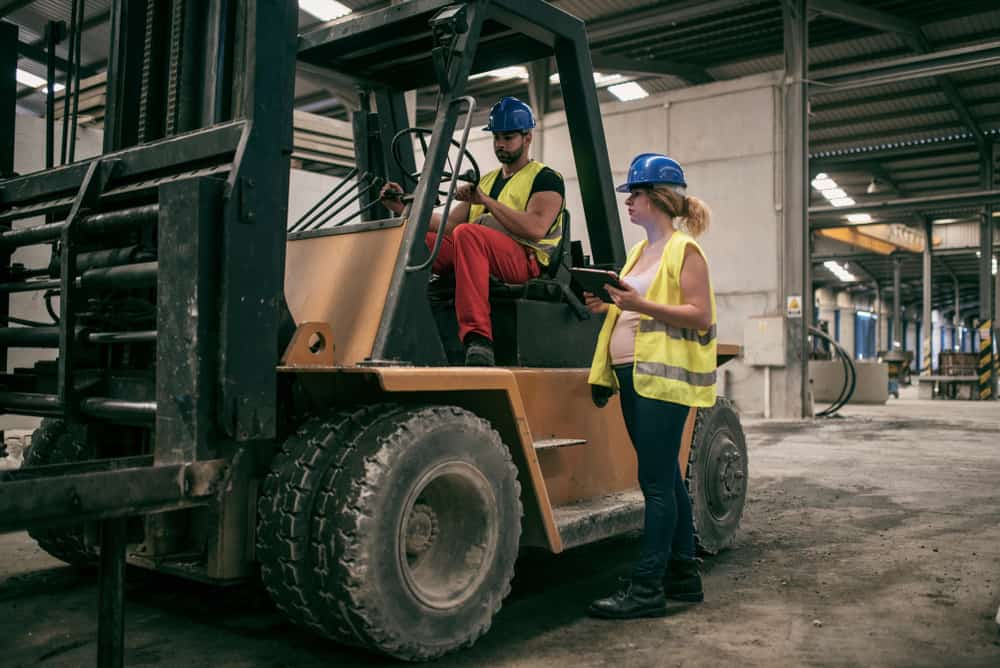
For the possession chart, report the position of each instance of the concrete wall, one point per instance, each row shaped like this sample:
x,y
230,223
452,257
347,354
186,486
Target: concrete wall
x,y
732,161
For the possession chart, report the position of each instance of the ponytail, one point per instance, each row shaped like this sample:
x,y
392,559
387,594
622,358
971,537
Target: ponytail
x,y
692,214
697,216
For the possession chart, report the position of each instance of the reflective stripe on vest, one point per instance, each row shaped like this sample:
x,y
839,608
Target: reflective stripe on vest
x,y
675,364
676,373
678,332
515,194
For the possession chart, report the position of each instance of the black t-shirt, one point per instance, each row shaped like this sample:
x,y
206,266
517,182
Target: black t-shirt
x,y
545,181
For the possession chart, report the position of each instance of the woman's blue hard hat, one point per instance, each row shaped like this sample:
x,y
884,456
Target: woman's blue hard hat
x,y
510,115
650,169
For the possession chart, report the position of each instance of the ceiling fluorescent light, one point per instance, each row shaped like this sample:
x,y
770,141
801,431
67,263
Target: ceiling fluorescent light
x,y
513,72
839,272
824,183
843,201
626,92
859,218
833,193
600,79
945,221
32,81
324,10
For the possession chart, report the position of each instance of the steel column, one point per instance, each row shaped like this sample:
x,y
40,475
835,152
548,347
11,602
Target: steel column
x,y
926,364
187,325
8,106
8,96
111,597
539,72
253,232
54,32
590,151
897,330
795,249
987,380
125,69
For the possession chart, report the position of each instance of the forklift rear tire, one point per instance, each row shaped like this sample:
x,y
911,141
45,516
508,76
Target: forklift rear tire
x,y
51,444
717,475
418,550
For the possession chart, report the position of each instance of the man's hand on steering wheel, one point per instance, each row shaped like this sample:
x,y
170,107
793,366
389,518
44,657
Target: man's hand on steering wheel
x,y
391,197
469,193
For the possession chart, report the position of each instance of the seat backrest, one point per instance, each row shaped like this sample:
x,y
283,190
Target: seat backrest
x,y
560,252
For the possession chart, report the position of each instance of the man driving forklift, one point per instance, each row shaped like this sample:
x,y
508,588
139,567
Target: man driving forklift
x,y
517,224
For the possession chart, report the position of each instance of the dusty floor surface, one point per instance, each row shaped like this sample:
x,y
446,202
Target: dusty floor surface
x,y
872,540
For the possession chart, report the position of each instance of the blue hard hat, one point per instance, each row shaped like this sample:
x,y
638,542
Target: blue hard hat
x,y
510,115
649,169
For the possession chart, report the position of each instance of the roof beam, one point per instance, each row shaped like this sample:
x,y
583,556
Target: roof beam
x,y
914,37
872,18
658,16
893,70
692,74
906,151
926,203
12,6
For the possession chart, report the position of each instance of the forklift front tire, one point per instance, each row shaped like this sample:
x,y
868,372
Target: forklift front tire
x,y
420,550
52,444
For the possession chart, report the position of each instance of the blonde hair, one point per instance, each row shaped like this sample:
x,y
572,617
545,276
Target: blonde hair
x,y
692,214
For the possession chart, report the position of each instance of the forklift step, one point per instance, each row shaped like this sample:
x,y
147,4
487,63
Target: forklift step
x,y
550,443
596,519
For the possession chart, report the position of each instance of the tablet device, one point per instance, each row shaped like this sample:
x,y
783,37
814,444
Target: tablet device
x,y
594,280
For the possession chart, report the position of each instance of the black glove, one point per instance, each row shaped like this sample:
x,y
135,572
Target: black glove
x,y
600,394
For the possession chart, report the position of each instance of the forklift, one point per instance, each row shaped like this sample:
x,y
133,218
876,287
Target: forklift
x,y
234,398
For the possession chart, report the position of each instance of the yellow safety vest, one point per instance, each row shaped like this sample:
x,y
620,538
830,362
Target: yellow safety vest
x,y
671,363
515,194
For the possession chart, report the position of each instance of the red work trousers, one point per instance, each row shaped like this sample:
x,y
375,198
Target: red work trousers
x,y
473,253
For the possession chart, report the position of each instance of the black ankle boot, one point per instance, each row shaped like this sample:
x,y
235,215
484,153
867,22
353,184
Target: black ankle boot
x,y
638,598
682,582
478,351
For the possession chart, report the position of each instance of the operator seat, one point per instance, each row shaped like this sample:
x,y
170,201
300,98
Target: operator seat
x,y
546,285
539,323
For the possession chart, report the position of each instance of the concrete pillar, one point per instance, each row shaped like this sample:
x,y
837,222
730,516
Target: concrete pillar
x,y
795,248
927,328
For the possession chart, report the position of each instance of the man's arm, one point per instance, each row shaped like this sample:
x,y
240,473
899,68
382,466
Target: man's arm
x,y
459,212
533,223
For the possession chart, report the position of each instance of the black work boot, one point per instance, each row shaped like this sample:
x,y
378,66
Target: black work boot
x,y
682,582
638,598
478,351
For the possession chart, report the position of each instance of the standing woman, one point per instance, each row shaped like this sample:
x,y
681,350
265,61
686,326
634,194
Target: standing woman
x,y
657,348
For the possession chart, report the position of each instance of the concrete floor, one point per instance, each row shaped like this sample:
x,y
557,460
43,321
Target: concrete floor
x,y
869,540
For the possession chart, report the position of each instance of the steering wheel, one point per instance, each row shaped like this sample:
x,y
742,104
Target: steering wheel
x,y
470,175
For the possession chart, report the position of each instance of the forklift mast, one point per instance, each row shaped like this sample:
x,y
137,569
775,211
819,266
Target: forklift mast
x,y
167,252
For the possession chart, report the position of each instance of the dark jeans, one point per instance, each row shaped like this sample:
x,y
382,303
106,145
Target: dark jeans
x,y
656,428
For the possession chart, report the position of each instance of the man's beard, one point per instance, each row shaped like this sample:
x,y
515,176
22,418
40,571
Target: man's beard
x,y
508,157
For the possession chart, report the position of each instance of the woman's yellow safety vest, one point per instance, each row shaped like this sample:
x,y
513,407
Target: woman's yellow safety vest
x,y
673,364
515,194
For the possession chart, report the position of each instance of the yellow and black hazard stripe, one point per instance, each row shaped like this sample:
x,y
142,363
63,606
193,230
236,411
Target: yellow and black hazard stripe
x,y
986,359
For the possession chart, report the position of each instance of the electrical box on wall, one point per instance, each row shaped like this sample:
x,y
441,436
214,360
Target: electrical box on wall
x,y
764,341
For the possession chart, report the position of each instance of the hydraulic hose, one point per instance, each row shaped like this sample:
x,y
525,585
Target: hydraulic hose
x,y
850,375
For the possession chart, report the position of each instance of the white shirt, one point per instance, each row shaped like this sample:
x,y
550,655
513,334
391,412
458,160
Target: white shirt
x,y
623,335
